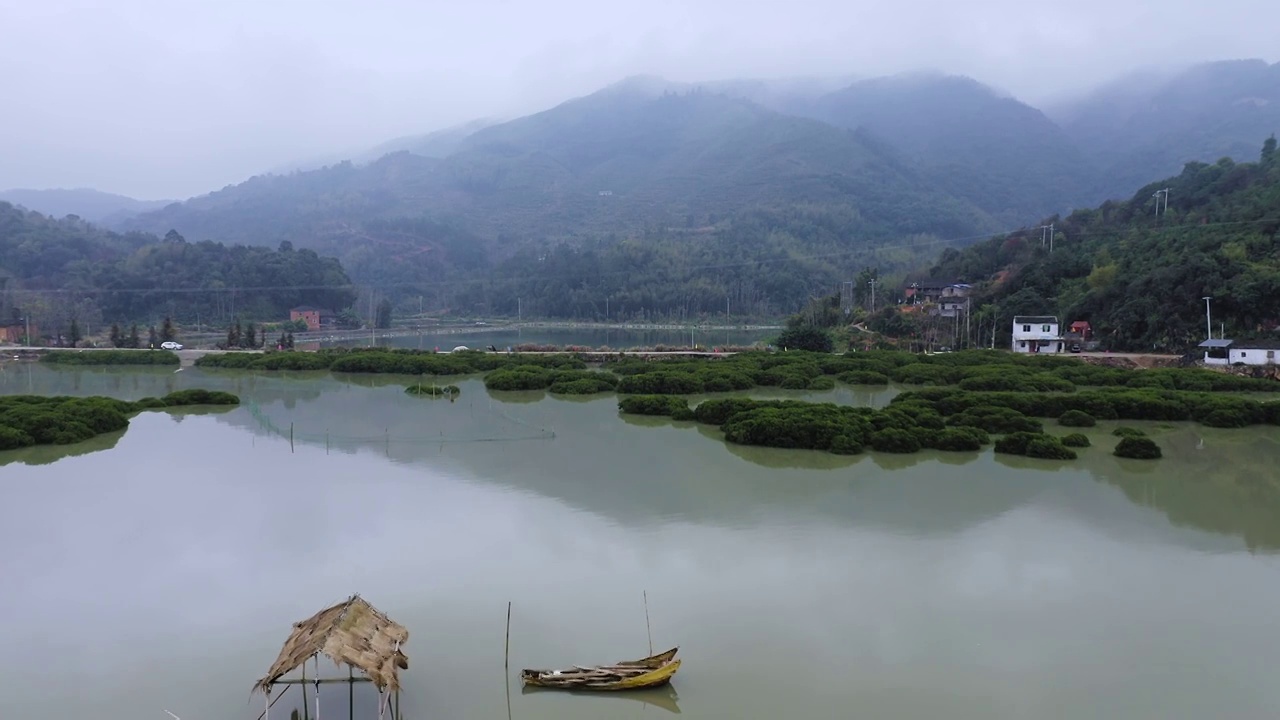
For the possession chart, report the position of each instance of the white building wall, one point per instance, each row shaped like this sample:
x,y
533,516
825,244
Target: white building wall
x,y
1024,340
1250,356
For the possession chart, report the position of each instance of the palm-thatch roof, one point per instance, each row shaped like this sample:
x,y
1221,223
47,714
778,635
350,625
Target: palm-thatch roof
x,y
352,632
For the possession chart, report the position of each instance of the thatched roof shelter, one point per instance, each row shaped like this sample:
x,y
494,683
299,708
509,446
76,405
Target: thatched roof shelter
x,y
354,633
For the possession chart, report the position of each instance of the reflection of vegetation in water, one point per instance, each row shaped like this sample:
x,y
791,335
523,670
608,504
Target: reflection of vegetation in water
x,y
46,454
1223,481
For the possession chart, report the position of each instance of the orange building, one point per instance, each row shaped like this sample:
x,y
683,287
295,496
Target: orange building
x,y
314,317
16,333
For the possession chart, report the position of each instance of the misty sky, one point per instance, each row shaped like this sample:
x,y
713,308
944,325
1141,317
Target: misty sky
x,y
171,98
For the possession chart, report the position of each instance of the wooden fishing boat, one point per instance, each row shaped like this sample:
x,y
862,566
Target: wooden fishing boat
x,y
653,671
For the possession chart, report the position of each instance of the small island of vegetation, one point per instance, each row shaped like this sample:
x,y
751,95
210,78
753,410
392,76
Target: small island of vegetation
x,y
28,420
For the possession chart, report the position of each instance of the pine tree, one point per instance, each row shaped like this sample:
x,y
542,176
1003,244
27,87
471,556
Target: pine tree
x,y
116,339
250,336
233,335
167,331
73,333
152,338
134,340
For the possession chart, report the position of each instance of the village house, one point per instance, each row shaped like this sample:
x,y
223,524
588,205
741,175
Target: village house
x,y
314,317
951,298
16,333
1223,351
1080,330
1036,334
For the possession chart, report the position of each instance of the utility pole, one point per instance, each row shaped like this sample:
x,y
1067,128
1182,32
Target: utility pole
x,y
519,312
1157,195
1051,237
1045,239
1208,319
726,310
968,331
872,283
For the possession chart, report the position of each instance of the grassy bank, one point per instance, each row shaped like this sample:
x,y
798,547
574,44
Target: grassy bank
x,y
109,357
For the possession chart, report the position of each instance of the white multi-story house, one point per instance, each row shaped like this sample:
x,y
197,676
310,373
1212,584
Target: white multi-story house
x,y
1036,334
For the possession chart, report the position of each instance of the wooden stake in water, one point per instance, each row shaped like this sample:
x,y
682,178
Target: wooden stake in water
x,y
506,653
290,437
646,621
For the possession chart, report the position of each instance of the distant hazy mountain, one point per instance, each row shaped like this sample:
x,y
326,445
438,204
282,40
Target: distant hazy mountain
x,y
1147,127
1000,154
619,158
438,144
91,205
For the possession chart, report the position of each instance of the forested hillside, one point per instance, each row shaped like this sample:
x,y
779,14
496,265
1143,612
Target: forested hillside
x,y
55,270
1138,277
646,181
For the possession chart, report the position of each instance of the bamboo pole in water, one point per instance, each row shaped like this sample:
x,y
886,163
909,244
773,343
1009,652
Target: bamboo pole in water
x,y
506,653
646,621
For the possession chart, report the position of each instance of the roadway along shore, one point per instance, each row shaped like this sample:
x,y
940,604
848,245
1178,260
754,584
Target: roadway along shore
x,y
188,357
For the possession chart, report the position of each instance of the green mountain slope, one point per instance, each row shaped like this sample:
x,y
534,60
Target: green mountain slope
x,y
1138,278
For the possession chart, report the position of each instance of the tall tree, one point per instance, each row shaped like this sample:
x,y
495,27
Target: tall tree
x,y
233,334
250,338
153,337
167,331
134,339
116,339
382,320
73,333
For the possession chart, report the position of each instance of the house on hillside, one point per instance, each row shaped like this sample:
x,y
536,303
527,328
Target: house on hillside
x,y
1036,334
1224,351
314,317
1080,330
951,298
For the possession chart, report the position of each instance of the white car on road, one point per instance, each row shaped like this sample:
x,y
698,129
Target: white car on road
x,y
171,345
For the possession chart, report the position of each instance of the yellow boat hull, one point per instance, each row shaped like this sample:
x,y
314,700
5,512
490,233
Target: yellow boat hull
x,y
653,671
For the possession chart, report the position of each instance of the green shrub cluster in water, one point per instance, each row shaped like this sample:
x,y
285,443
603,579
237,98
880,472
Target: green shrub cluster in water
x,y
27,420
816,426
979,371
110,357
564,382
1206,408
1139,448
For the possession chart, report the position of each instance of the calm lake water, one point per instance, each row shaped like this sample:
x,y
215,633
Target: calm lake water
x,y
161,568
590,337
